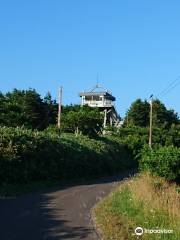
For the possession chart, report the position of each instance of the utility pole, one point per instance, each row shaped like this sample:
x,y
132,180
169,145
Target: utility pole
x,y
151,121
127,119
105,121
59,109
105,117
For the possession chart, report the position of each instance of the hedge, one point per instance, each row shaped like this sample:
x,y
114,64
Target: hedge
x,y
27,155
162,161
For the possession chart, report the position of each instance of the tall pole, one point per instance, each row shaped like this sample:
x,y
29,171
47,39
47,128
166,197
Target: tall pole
x,y
105,117
150,123
59,109
105,121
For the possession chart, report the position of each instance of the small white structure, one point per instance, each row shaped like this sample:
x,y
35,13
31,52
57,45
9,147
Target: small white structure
x,y
97,99
102,99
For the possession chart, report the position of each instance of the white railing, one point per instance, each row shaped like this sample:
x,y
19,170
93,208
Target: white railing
x,y
92,103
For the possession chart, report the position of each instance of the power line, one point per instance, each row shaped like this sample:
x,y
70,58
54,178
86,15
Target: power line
x,y
170,87
169,90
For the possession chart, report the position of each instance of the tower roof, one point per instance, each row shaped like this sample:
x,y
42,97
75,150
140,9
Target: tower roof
x,y
98,90
105,93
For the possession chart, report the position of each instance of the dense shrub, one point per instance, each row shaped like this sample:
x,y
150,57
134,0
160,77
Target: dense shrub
x,y
134,138
162,161
27,155
82,120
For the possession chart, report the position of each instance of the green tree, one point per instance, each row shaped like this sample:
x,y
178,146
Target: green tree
x,y
162,116
51,110
87,121
22,108
138,114
2,109
71,107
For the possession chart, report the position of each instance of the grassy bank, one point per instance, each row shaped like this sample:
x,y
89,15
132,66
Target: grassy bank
x,y
145,201
29,157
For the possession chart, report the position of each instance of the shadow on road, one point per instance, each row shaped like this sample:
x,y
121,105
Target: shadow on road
x,y
47,215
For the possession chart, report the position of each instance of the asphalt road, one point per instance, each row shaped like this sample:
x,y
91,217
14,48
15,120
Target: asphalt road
x,y
55,214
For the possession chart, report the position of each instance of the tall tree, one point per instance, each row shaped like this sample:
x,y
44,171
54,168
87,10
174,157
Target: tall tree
x,y
22,108
138,114
51,110
162,116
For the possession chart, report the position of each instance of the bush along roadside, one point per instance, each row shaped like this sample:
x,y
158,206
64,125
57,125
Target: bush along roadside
x,y
28,156
161,161
144,201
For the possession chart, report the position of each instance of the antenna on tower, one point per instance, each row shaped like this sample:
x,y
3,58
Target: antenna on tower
x,y
97,84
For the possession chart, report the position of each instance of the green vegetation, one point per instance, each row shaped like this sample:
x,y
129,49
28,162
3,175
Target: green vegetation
x,y
34,148
33,156
133,137
162,161
31,150
138,114
28,156
82,120
144,201
28,109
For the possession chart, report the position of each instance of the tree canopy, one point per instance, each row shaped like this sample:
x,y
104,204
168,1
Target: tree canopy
x,y
26,108
138,114
85,120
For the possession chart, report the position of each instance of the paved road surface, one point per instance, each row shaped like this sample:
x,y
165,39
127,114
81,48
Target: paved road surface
x,y
61,213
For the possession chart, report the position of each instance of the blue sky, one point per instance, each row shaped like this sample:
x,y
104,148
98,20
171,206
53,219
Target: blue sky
x,y
133,45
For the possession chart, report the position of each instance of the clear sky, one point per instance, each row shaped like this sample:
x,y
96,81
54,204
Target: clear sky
x,y
133,45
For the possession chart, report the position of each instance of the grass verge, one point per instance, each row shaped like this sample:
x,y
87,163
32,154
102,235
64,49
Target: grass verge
x,y
144,201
